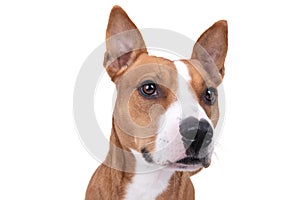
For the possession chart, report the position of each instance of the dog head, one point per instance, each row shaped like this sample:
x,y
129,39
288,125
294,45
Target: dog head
x,y
165,110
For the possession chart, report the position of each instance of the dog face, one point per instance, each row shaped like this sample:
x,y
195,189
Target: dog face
x,y
165,110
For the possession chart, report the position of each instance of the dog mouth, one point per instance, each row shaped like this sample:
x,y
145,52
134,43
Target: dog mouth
x,y
205,162
186,162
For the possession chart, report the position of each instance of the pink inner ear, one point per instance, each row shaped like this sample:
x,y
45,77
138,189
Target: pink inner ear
x,y
124,42
214,41
118,66
123,60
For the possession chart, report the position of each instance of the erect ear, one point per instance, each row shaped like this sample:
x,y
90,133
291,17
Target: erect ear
x,y
124,43
212,47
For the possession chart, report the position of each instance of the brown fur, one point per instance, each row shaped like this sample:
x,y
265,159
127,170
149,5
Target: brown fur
x,y
108,183
200,82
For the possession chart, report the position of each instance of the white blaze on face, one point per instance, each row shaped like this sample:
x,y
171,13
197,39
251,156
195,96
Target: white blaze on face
x,y
169,146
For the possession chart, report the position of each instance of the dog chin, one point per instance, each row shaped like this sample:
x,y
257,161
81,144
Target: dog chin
x,y
184,168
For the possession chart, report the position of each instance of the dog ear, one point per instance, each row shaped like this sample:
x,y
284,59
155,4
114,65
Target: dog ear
x,y
124,43
211,48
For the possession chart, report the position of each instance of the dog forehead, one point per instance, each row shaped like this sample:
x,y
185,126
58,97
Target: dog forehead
x,y
198,78
164,72
157,69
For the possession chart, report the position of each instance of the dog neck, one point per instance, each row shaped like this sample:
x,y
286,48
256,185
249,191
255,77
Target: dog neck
x,y
148,182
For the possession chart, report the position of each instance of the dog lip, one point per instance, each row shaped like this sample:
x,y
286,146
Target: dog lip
x,y
146,154
189,161
205,162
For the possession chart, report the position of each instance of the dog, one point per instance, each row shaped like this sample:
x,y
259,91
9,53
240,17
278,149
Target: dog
x,y
164,116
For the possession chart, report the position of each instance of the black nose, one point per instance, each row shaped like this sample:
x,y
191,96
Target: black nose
x,y
196,135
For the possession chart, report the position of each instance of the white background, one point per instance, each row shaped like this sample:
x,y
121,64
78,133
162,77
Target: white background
x,y
44,43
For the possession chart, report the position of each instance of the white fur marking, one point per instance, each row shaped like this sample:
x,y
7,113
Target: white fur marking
x,y
147,185
187,100
169,146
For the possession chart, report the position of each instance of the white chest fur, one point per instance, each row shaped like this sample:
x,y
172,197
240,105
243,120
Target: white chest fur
x,y
147,185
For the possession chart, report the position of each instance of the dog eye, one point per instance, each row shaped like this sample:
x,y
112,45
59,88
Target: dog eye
x,y
148,89
210,96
